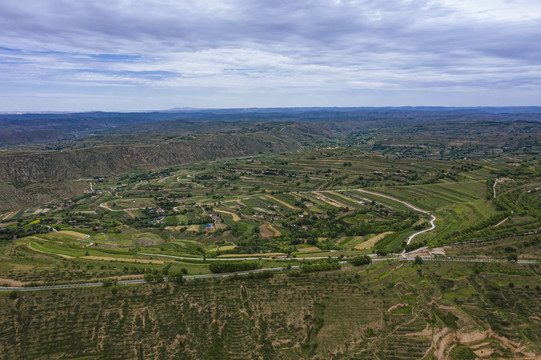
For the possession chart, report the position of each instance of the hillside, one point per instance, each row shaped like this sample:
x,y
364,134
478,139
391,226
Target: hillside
x,y
32,177
109,160
387,311
24,130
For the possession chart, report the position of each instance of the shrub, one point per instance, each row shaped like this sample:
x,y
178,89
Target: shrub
x,y
176,277
217,267
361,260
322,265
153,278
108,282
462,352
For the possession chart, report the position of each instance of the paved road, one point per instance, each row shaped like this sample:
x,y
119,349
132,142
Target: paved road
x,y
191,277
139,281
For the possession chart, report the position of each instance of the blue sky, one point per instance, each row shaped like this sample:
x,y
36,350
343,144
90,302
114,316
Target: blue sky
x,y
109,55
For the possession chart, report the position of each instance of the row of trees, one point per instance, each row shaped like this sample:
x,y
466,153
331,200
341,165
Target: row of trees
x,y
176,277
232,266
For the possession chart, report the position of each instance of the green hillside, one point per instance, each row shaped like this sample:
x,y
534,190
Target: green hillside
x,y
386,311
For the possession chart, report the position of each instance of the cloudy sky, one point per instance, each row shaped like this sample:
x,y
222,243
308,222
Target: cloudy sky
x,y
157,54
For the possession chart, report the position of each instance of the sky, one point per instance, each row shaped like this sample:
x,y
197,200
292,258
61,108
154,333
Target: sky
x,y
128,55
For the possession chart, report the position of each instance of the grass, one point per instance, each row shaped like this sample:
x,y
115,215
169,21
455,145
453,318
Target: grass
x,y
39,247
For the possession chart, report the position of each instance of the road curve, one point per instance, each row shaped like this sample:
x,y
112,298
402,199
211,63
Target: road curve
x,y
432,226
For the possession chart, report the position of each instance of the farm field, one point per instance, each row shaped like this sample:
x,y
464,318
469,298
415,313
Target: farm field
x,y
337,202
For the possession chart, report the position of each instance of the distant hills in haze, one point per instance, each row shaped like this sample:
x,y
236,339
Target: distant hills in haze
x,y
50,127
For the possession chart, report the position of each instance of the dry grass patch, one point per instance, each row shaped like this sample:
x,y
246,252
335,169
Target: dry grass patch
x,y
73,233
235,216
282,202
145,261
309,249
372,241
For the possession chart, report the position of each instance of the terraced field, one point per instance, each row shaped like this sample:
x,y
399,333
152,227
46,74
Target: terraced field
x,y
385,311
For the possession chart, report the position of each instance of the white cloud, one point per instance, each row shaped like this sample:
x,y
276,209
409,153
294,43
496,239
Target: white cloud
x,y
257,49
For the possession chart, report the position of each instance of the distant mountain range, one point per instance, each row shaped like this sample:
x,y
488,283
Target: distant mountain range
x,y
289,110
46,128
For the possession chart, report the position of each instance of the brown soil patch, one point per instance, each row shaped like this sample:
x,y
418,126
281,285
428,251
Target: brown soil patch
x,y
471,337
445,338
123,259
11,214
422,252
11,282
265,231
482,353
340,240
396,306
273,229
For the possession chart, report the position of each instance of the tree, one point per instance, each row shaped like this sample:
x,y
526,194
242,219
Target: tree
x,y
148,278
176,277
361,260
512,258
418,260
153,278
108,282
166,268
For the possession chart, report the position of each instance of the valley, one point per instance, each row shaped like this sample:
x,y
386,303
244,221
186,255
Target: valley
x,y
371,247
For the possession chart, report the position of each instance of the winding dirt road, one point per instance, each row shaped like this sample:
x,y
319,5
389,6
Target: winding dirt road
x,y
432,226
